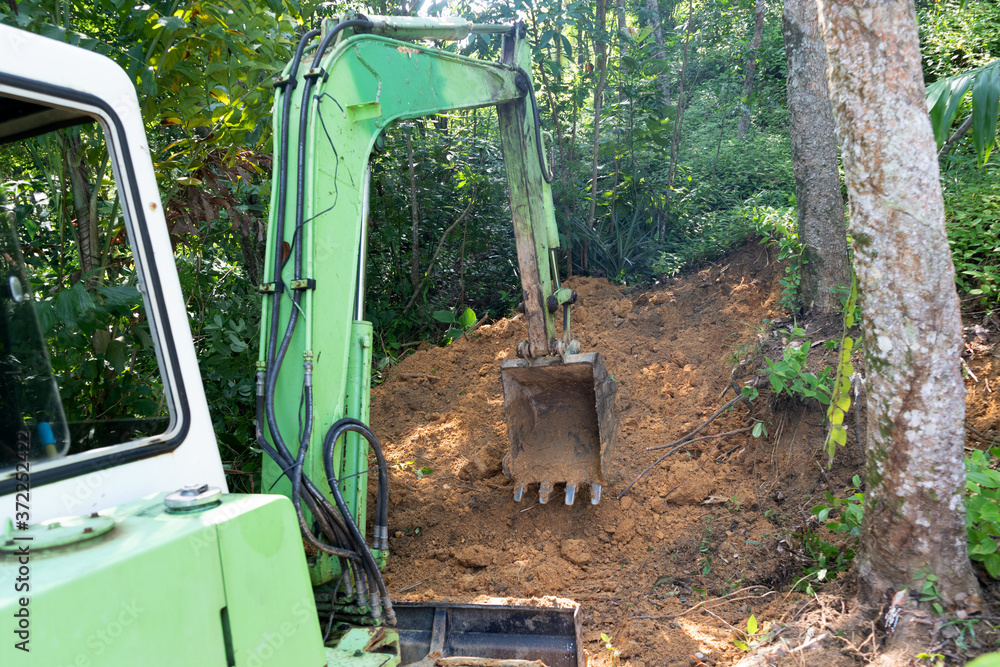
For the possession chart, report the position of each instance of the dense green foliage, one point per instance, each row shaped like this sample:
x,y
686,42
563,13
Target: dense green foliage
x,y
671,183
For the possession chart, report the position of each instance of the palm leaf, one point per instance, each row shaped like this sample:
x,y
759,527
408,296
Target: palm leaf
x,y
985,96
944,97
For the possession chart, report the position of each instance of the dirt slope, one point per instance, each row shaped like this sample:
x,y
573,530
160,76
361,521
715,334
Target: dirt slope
x,y
711,519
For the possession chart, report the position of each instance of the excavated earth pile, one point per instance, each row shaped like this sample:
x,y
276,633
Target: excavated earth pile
x,y
718,517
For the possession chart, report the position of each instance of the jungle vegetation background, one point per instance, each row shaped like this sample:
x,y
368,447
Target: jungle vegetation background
x,y
686,156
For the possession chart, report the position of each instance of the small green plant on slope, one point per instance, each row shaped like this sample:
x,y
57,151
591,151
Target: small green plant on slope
x,y
779,227
790,375
982,509
972,206
927,581
752,636
982,522
829,560
459,323
609,647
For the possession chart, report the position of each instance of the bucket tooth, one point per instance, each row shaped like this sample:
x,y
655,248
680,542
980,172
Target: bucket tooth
x,y
519,492
595,494
544,491
570,493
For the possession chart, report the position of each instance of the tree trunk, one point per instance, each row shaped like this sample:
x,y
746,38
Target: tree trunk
x,y
675,140
758,34
601,51
415,225
914,520
83,207
653,7
822,228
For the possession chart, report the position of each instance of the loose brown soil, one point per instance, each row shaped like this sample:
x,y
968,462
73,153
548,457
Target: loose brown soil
x,y
719,516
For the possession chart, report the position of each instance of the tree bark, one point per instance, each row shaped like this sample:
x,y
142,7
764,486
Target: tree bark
x,y
601,51
653,7
914,520
758,35
415,224
822,227
675,140
83,207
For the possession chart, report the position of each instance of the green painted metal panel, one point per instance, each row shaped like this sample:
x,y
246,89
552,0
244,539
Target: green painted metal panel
x,y
269,598
154,589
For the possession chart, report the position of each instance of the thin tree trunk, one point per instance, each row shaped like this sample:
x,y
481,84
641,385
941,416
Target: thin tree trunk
x,y
758,34
676,138
822,227
914,519
601,50
570,201
954,139
415,226
86,223
653,7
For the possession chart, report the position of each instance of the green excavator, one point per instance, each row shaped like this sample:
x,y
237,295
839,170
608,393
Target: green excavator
x,y
120,541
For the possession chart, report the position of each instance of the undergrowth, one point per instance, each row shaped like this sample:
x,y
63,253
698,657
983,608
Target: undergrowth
x,y
844,515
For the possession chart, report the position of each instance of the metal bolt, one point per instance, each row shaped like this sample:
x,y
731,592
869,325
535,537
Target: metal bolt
x,y
88,530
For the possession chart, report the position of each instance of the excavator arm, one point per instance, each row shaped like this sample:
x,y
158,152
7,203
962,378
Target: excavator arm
x,y
335,99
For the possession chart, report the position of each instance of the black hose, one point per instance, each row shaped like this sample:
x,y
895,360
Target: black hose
x,y
546,174
329,442
335,524
286,86
328,37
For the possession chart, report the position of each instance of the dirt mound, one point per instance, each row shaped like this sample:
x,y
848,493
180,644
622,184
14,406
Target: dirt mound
x,y
717,518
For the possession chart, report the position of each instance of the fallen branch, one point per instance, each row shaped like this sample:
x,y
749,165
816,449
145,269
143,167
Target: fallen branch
x,y
979,435
704,437
410,587
487,662
968,370
768,655
680,443
723,598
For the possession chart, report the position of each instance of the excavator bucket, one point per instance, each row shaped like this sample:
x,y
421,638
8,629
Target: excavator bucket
x,y
562,423
500,633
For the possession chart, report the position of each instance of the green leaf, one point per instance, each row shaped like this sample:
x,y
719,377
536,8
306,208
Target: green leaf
x,y
984,547
655,67
171,23
992,565
752,625
988,660
985,99
467,318
446,316
838,435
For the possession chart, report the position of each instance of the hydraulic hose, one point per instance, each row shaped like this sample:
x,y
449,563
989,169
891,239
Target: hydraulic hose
x,y
336,524
546,174
329,442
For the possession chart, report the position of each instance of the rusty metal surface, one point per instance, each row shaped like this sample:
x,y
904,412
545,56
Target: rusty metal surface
x,y
562,424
